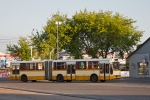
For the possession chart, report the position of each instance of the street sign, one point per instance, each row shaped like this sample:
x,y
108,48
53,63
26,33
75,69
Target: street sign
x,y
143,59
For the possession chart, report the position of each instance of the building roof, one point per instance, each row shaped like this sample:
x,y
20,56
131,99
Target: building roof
x,y
139,48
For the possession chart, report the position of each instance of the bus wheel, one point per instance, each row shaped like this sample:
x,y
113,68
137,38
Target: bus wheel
x,y
94,78
102,80
24,78
60,78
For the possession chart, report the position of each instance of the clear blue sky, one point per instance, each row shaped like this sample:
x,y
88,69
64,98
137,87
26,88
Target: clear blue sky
x,y
19,17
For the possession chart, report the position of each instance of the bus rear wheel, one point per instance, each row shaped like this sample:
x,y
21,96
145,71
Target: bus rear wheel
x,y
60,78
24,78
94,78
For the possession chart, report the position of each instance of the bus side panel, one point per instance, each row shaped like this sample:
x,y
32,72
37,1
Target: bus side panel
x,y
83,74
107,77
34,75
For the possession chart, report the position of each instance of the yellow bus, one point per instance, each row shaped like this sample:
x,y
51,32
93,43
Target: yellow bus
x,y
116,68
62,70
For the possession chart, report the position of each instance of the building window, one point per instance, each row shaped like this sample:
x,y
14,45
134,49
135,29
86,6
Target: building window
x,y
143,68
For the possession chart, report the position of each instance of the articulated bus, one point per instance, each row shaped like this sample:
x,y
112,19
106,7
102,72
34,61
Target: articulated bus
x,y
116,68
62,70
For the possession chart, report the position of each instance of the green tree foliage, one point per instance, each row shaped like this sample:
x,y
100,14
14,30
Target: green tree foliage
x,y
22,49
97,33
46,41
101,32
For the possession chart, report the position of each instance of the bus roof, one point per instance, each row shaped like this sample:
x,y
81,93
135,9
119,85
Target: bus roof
x,y
60,60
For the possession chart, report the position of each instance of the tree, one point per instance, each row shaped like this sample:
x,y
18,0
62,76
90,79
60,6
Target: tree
x,y
46,41
22,49
101,32
97,33
40,45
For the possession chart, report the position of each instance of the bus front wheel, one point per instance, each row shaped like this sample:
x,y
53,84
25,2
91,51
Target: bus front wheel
x,y
94,78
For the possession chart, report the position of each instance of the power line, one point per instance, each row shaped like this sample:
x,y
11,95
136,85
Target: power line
x,y
9,39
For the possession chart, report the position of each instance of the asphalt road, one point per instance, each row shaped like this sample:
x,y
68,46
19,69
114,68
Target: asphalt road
x,y
121,89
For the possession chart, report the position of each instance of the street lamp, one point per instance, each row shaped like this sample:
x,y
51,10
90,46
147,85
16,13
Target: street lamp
x,y
51,54
31,52
58,23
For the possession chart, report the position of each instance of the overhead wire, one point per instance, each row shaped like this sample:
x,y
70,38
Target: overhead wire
x,y
8,40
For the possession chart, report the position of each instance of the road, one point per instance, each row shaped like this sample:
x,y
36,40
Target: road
x,y
121,89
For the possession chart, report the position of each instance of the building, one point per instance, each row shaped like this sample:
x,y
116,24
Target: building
x,y
5,60
139,61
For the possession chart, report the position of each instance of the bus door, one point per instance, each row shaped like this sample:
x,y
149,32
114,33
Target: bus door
x,y
15,72
102,72
71,72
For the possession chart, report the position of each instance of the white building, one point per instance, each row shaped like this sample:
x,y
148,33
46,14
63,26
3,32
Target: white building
x,y
139,61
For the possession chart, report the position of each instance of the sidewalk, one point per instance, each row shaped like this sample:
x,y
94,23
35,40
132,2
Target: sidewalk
x,y
130,78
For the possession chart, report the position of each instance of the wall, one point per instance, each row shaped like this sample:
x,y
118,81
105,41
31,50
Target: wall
x,y
133,64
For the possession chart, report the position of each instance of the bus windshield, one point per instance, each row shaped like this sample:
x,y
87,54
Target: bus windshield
x,y
116,65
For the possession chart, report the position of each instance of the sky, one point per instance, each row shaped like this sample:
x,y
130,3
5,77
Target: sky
x,y
20,17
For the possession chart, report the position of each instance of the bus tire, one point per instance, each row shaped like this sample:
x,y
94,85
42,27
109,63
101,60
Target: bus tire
x,y
94,78
24,78
60,78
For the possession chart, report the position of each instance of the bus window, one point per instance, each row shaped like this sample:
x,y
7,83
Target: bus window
x,y
22,66
111,69
93,65
116,65
101,67
39,66
59,65
32,66
73,69
55,66
81,65
107,68
18,69
90,65
28,66
15,69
